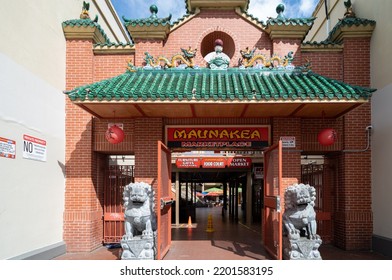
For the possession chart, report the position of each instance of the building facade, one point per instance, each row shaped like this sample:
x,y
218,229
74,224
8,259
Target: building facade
x,y
148,88
32,126
380,67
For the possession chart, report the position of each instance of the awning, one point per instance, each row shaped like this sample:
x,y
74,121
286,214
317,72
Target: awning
x,y
234,92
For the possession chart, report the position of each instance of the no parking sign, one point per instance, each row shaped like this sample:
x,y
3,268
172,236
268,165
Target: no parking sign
x,y
34,148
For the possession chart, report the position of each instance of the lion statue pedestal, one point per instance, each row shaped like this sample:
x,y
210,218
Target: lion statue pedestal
x,y
300,241
139,240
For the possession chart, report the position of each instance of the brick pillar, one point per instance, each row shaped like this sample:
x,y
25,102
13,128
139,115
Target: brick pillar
x,y
353,220
291,157
152,46
83,212
287,37
149,132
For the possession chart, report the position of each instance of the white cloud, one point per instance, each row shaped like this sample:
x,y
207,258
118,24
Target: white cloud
x,y
307,6
261,9
136,9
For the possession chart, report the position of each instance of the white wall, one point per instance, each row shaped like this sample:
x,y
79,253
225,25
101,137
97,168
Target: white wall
x,y
32,78
381,161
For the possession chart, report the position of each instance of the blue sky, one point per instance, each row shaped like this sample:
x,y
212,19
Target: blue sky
x,y
262,9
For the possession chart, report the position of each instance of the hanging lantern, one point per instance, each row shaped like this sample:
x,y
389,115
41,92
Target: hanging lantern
x,y
327,136
114,134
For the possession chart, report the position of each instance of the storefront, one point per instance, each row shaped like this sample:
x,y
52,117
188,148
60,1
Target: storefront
x,y
237,87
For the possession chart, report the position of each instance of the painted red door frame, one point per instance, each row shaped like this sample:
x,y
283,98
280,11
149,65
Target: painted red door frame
x,y
272,220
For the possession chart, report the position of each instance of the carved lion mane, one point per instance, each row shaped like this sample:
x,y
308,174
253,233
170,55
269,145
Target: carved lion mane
x,y
139,204
299,218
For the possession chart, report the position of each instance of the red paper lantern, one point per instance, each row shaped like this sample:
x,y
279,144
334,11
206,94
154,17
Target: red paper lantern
x,y
327,136
114,134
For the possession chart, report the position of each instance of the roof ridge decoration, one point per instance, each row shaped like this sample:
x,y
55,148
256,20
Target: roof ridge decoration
x,y
250,59
182,60
351,26
85,22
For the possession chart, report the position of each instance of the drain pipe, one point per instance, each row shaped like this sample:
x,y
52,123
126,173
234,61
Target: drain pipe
x,y
369,130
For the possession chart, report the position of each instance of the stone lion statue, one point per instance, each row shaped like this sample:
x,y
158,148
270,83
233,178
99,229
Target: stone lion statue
x,y
299,218
140,218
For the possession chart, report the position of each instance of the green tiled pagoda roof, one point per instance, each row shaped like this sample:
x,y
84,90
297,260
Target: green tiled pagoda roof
x,y
228,85
350,21
86,23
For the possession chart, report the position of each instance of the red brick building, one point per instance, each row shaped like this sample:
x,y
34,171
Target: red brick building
x,y
131,85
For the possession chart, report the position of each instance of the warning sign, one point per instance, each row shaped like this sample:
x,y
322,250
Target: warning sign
x,y
7,148
34,148
288,141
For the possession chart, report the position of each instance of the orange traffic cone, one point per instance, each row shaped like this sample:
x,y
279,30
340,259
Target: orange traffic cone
x,y
210,227
189,221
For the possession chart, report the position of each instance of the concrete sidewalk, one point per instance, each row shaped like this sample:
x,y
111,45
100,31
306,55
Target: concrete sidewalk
x,y
228,241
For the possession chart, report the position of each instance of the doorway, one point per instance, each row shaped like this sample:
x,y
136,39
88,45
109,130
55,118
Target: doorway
x,y
119,172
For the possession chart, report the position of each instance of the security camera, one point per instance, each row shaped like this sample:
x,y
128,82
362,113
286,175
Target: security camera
x,y
369,127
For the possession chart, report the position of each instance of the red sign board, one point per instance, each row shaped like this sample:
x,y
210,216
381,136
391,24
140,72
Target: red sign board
x,y
191,162
217,137
239,162
213,162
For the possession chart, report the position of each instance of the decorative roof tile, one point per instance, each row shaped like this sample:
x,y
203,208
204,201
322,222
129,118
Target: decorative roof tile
x,y
86,23
282,20
349,22
153,20
252,18
233,84
112,44
183,18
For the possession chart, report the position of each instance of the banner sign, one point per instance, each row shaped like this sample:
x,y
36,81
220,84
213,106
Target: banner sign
x,y
217,137
192,162
34,148
213,162
7,148
239,162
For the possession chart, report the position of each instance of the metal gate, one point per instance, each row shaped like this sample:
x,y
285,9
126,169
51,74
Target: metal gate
x,y
272,229
116,178
317,176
